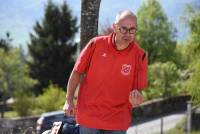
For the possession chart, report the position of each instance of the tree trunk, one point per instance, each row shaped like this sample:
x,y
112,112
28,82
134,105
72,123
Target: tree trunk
x,y
89,20
3,107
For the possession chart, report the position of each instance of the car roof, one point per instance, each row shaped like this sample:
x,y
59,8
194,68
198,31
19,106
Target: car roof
x,y
52,113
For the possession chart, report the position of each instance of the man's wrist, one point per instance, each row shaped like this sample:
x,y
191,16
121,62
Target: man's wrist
x,y
69,99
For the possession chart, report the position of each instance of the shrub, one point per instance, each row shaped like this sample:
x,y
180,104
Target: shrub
x,y
24,104
52,99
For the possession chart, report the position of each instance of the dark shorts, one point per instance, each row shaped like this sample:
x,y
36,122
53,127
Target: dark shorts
x,y
85,130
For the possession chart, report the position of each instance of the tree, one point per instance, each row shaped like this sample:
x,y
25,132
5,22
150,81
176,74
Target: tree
x,y
194,42
163,79
155,34
192,51
52,46
5,43
14,75
89,20
106,29
193,85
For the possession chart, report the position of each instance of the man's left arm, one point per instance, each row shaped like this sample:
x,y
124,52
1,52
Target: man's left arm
x,y
140,81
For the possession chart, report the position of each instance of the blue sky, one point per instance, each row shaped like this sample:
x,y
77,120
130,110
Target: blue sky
x,y
19,16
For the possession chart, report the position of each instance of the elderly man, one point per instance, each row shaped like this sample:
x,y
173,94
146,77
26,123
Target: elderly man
x,y
112,71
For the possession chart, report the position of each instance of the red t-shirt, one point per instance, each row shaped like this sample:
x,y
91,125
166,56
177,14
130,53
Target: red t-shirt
x,y
110,75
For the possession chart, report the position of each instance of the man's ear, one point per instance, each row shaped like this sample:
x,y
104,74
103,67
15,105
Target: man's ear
x,y
114,27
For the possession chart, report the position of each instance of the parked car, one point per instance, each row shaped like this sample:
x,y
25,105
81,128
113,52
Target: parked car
x,y
46,120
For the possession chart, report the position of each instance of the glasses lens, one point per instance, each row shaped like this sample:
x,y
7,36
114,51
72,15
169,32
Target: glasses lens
x,y
123,30
132,30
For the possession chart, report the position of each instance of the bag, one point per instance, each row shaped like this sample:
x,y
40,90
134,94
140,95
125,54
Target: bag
x,y
63,128
57,128
67,128
70,129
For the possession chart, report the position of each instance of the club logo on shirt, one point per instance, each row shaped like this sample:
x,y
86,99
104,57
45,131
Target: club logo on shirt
x,y
104,55
126,69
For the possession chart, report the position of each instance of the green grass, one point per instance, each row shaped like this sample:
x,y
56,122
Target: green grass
x,y
10,114
179,129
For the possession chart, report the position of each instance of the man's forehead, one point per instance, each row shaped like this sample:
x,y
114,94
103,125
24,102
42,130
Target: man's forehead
x,y
127,23
127,19
122,17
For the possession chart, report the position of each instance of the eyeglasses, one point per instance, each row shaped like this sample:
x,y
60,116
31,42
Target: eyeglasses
x,y
125,30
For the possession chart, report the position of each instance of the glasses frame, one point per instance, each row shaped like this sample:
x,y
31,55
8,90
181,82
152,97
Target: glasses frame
x,y
127,30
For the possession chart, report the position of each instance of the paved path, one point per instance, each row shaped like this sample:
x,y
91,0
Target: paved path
x,y
153,126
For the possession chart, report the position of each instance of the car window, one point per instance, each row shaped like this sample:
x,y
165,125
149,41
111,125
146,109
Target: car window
x,y
59,116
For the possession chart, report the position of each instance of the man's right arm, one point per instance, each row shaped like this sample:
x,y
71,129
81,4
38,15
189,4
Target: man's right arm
x,y
71,88
80,68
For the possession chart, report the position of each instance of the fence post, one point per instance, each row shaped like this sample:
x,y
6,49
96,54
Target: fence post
x,y
189,116
161,125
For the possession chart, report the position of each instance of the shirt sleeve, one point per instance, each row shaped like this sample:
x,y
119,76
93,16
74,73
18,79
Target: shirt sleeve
x,y
83,60
140,79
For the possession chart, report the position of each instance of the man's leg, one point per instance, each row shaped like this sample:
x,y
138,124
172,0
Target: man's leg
x,y
114,132
85,130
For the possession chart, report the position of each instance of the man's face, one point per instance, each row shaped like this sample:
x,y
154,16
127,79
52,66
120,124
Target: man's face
x,y
125,30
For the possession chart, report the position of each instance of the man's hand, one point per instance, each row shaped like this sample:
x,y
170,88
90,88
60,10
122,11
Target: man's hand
x,y
69,109
74,79
135,98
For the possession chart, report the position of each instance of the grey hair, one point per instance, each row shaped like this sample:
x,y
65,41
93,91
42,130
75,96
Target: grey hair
x,y
125,14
